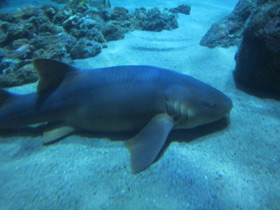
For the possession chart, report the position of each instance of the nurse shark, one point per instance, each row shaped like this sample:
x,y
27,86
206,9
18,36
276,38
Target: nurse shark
x,y
146,99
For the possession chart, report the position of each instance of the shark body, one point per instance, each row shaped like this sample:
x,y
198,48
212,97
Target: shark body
x,y
3,3
120,98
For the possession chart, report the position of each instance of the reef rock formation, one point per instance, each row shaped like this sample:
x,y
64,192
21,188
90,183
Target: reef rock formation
x,y
254,26
258,57
184,9
228,31
73,32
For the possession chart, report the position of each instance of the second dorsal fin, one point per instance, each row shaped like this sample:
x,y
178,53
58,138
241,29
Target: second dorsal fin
x,y
51,73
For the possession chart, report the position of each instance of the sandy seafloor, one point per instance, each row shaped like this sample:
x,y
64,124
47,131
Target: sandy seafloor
x,y
234,168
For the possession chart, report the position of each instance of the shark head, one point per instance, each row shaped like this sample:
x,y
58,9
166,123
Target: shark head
x,y
196,104
188,103
207,106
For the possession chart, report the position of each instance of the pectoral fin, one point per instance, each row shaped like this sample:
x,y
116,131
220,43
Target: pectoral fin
x,y
146,145
57,134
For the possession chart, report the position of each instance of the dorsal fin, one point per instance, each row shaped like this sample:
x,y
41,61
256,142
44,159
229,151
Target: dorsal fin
x,y
51,73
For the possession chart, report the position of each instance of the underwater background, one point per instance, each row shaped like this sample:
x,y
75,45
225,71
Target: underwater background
x,y
236,167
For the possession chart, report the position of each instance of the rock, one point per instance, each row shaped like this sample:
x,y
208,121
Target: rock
x,y
258,58
255,26
19,42
184,9
72,22
38,21
49,11
106,14
8,80
59,18
53,46
16,31
113,31
154,20
85,49
7,17
17,75
89,23
2,55
5,66
75,7
60,1
95,35
120,14
228,31
72,32
3,38
26,74
27,12
50,27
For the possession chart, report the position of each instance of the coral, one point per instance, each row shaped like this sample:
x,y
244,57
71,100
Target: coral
x,y
72,32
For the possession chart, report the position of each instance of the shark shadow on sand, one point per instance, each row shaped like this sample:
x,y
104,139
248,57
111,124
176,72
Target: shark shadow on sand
x,y
182,136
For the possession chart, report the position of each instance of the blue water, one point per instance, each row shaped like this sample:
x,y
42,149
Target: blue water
x,y
234,168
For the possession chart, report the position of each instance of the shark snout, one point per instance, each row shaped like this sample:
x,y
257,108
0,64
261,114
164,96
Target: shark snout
x,y
226,106
223,106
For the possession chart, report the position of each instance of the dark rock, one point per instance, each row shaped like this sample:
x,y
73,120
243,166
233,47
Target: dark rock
x,y
26,74
120,13
71,22
125,25
17,74
49,11
83,27
8,80
52,46
95,35
85,49
154,20
107,14
38,21
30,28
258,58
2,55
75,8
98,16
7,17
16,31
113,31
88,23
72,32
50,27
184,9
3,38
141,13
50,52
60,17
228,31
19,42
27,12
78,33
60,1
